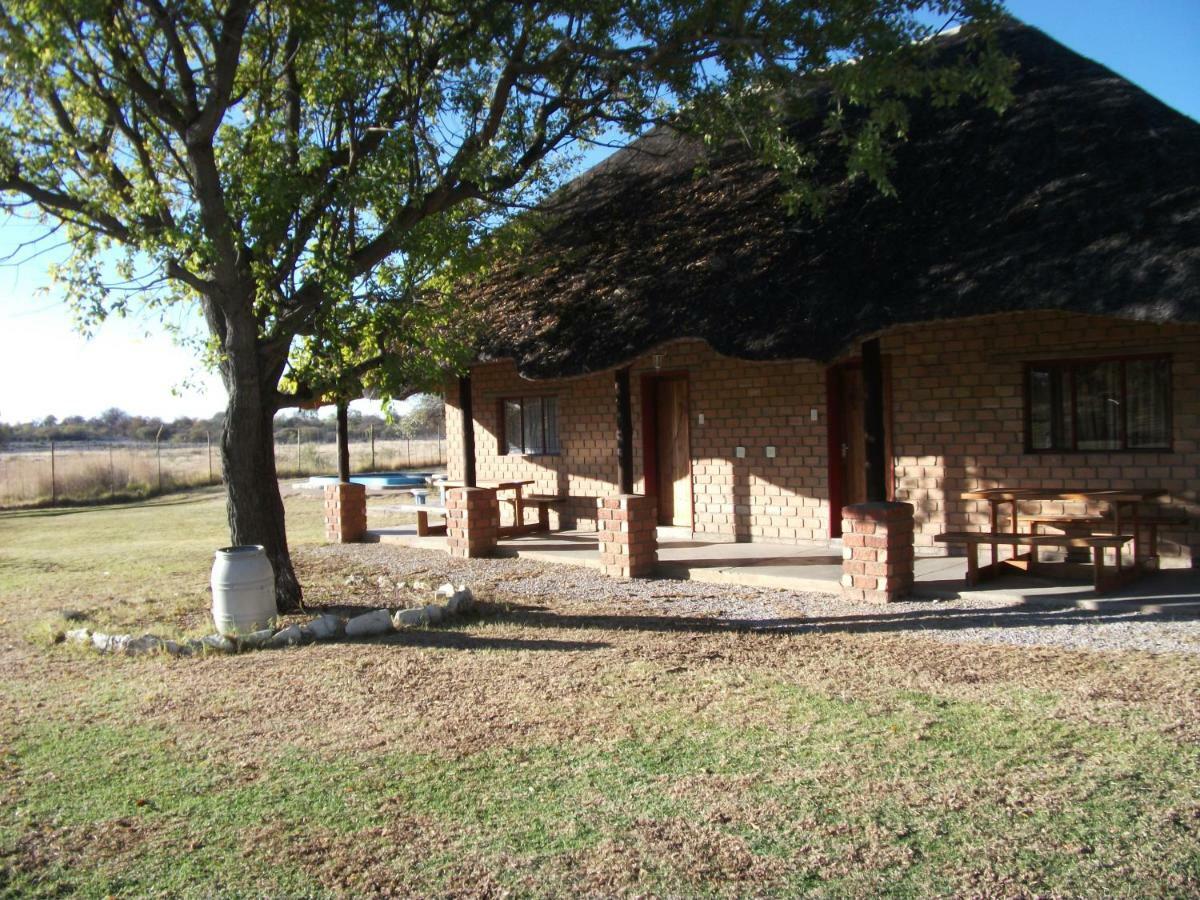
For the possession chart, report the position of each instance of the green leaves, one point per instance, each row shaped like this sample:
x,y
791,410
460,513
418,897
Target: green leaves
x,y
327,171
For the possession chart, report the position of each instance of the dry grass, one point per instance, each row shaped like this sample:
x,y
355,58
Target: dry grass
x,y
561,748
136,471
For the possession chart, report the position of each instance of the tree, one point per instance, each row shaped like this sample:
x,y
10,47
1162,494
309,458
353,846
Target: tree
x,y
314,172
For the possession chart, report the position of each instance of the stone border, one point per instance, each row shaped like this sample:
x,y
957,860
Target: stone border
x,y
456,601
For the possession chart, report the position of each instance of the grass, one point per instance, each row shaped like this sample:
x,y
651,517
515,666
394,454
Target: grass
x,y
558,751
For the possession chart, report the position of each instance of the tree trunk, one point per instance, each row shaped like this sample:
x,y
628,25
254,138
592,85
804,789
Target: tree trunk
x,y
248,460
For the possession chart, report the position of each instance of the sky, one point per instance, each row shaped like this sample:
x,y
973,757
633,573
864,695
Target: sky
x,y
47,368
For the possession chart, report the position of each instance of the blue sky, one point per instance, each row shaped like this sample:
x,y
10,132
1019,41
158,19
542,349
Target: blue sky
x,y
46,368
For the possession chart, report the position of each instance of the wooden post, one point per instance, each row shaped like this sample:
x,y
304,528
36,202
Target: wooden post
x,y
53,477
208,438
343,441
624,433
873,423
468,428
372,448
112,476
158,455
297,451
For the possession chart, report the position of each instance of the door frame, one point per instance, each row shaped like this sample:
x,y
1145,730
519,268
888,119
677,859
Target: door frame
x,y
649,382
835,416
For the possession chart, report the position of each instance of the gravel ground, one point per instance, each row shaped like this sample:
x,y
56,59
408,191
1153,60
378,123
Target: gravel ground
x,y
953,621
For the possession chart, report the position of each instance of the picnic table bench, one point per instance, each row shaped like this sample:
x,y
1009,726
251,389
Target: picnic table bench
x,y
1122,524
422,511
1103,579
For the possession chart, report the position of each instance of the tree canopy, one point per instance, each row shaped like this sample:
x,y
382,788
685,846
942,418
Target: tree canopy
x,y
316,174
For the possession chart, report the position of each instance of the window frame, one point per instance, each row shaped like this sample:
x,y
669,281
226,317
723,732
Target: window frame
x,y
502,418
1069,364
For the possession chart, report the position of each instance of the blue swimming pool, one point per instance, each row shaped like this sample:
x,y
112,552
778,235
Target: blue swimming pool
x,y
378,479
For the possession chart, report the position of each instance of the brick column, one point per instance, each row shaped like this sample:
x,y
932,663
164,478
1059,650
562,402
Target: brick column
x,y
345,513
877,554
628,544
472,521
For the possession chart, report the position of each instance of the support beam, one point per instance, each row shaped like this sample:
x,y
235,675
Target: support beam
x,y
343,441
468,430
624,433
873,422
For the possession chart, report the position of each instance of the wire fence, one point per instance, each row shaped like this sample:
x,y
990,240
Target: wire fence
x,y
63,472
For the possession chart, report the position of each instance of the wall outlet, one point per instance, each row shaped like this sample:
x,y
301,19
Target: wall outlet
x,y
700,419
770,453
814,414
739,452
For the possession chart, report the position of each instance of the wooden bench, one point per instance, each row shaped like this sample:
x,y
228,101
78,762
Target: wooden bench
x,y
1103,580
543,502
1106,525
422,510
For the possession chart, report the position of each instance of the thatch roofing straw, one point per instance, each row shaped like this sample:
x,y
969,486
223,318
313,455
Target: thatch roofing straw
x,y
1083,196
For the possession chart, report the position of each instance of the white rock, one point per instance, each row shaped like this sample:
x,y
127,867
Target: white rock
x,y
286,637
370,624
218,643
461,602
434,613
411,618
78,636
325,628
446,590
147,643
255,639
418,584
110,643
385,583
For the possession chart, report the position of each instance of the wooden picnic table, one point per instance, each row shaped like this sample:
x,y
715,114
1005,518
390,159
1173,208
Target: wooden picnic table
x,y
518,501
1116,499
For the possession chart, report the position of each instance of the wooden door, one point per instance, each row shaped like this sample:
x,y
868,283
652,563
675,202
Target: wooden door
x,y
851,445
673,452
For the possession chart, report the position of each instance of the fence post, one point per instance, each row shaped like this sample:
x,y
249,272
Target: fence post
x,y
112,475
158,456
208,439
372,448
53,477
297,452
408,451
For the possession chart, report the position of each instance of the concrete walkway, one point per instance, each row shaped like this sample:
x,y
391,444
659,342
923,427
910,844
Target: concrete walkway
x,y
817,568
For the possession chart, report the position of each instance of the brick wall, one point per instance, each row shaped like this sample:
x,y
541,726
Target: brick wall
x,y
957,418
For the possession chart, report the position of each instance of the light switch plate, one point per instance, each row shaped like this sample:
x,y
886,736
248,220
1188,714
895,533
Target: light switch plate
x,y
813,414
700,419
770,453
739,452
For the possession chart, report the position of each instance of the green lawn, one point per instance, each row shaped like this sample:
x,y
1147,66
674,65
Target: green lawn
x,y
557,751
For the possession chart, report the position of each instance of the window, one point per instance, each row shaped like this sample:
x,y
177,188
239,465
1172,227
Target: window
x,y
530,425
1098,404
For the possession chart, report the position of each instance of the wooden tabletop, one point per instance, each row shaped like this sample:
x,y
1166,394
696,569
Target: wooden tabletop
x,y
1009,495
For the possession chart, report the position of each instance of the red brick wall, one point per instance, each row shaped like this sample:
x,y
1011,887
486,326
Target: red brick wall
x,y
957,417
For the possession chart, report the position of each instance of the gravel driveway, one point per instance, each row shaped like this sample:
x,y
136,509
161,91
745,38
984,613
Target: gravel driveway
x,y
999,621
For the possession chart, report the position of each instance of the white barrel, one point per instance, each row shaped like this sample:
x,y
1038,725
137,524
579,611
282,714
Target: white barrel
x,y
243,590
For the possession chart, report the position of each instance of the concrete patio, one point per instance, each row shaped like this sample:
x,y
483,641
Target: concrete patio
x,y
817,568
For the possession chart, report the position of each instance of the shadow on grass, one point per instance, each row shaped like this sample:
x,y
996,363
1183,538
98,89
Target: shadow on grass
x,y
180,497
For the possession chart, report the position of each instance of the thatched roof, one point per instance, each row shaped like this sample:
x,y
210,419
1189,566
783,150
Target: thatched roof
x,y
1083,196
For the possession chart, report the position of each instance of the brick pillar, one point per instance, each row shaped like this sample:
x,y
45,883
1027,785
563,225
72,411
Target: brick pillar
x,y
628,544
345,513
472,521
877,554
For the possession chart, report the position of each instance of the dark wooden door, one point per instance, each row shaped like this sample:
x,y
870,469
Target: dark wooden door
x,y
851,446
673,452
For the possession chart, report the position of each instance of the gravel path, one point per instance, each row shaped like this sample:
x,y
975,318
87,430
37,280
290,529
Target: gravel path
x,y
954,621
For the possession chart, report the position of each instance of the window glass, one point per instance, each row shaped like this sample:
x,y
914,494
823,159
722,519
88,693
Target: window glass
x,y
1042,409
1147,391
534,434
550,407
512,427
1098,406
